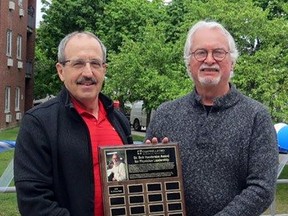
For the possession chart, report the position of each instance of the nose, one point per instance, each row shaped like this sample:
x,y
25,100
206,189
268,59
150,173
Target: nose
x,y
210,59
87,70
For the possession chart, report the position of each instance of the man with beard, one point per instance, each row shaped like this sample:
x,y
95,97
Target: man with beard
x,y
118,169
56,157
226,139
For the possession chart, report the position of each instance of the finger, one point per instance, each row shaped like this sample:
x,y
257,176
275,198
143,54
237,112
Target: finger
x,y
154,140
165,140
148,141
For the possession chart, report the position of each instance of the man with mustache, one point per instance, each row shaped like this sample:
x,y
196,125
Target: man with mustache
x,y
227,141
118,169
56,157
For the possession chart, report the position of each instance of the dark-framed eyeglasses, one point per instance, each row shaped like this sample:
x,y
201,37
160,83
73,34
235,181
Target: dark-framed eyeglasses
x,y
201,54
81,63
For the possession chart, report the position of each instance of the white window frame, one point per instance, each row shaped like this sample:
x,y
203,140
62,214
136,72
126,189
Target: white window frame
x,y
17,98
20,3
7,99
19,47
9,43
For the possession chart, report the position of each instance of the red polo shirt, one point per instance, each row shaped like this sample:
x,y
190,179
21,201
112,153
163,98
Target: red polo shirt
x,y
102,133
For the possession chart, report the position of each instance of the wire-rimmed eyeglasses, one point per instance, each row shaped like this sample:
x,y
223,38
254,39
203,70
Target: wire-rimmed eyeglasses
x,y
81,63
201,54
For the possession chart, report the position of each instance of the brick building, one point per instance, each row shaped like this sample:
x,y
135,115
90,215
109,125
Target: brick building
x,y
17,43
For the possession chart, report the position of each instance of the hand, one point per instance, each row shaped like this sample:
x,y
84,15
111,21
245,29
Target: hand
x,y
154,140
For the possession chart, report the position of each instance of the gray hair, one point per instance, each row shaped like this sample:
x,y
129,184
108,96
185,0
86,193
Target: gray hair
x,y
64,41
211,25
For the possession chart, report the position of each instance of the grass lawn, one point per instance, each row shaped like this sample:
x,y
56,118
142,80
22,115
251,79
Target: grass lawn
x,y
282,194
8,206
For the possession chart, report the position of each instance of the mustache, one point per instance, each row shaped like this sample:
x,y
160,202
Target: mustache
x,y
86,80
209,67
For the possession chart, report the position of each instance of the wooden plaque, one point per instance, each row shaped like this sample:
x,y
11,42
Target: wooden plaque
x,y
146,181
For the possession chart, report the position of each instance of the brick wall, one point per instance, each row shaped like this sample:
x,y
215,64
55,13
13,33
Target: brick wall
x,y
14,17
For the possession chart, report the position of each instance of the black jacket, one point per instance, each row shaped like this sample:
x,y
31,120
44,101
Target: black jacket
x,y
53,168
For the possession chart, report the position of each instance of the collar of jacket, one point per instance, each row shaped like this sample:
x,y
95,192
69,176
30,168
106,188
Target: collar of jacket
x,y
223,102
66,99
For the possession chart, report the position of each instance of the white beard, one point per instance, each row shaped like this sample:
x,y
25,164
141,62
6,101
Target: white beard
x,y
208,81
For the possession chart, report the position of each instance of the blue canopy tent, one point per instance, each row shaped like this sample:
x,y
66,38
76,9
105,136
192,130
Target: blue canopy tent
x,y
6,145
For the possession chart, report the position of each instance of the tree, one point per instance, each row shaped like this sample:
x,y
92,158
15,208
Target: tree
x,y
46,78
144,64
261,68
145,43
128,19
61,18
148,71
276,8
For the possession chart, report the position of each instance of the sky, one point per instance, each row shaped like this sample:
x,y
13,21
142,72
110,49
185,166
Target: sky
x,y
38,12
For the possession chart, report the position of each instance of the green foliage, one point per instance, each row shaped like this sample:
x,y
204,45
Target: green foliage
x,y
155,77
145,41
61,18
276,8
128,19
46,78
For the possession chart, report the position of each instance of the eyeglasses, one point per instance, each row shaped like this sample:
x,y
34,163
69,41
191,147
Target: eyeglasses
x,y
81,63
201,54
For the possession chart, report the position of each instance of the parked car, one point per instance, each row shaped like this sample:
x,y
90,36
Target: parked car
x,y
127,110
138,116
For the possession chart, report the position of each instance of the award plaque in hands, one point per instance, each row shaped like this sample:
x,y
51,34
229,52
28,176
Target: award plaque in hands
x,y
144,179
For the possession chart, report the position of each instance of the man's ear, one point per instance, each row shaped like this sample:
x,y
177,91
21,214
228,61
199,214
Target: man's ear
x,y
233,65
59,68
105,66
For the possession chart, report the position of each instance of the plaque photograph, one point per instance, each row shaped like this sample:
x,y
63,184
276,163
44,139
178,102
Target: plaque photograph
x,y
142,179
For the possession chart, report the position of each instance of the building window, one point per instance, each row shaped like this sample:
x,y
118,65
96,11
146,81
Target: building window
x,y
20,3
31,10
7,99
9,43
17,99
19,47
